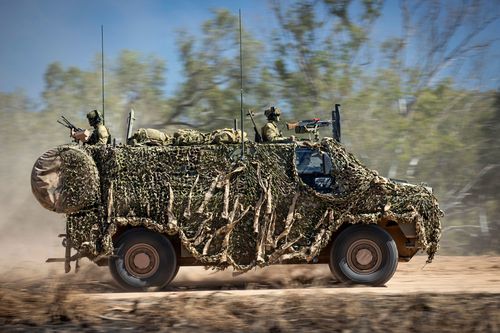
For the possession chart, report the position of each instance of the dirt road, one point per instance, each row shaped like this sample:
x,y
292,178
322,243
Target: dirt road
x,y
451,294
444,275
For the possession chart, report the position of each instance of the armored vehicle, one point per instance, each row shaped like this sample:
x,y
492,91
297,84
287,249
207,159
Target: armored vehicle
x,y
147,210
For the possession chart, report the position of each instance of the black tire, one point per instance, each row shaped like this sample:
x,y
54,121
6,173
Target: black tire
x,y
143,259
364,254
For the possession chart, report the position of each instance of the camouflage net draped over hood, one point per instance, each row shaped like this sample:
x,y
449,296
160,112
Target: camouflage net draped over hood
x,y
242,213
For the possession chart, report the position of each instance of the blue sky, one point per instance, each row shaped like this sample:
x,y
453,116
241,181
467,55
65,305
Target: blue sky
x,y
35,33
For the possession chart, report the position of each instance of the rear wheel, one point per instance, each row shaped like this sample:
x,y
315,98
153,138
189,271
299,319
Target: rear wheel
x,y
143,259
364,254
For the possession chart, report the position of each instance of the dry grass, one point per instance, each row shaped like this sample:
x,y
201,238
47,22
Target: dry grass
x,y
61,304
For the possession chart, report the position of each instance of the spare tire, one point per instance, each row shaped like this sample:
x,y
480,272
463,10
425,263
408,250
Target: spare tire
x,y
65,180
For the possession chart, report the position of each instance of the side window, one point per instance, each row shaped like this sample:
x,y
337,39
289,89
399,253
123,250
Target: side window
x,y
314,168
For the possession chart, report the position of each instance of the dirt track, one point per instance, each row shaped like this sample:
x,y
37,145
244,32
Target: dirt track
x,y
444,275
451,294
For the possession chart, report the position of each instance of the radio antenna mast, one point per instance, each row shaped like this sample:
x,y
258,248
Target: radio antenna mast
x,y
242,124
102,72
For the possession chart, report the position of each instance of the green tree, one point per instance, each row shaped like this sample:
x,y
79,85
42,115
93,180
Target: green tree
x,y
139,83
209,95
316,56
442,39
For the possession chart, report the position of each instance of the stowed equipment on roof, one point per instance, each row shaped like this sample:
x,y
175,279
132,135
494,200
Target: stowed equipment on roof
x,y
184,137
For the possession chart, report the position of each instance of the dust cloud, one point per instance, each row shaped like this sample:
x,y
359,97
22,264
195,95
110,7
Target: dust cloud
x,y
28,232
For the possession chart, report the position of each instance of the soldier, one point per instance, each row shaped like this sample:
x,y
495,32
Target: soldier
x,y
270,131
100,134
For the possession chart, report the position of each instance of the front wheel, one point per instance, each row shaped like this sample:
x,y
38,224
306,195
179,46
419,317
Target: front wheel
x,y
364,254
143,259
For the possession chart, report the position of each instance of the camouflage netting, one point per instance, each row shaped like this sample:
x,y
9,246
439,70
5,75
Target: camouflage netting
x,y
65,180
242,213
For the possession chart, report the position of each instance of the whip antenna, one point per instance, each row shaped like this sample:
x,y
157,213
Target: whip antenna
x,y
242,124
102,72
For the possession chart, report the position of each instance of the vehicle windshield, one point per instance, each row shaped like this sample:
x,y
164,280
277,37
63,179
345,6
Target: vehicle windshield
x,y
310,161
314,168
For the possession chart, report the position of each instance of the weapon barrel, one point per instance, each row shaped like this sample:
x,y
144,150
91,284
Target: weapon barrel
x,y
70,125
258,137
323,123
65,125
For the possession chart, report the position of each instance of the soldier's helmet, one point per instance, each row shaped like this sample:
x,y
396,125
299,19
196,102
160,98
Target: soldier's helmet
x,y
94,117
272,112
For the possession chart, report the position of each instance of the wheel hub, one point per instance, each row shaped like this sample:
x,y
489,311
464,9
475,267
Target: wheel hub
x,y
364,256
142,260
